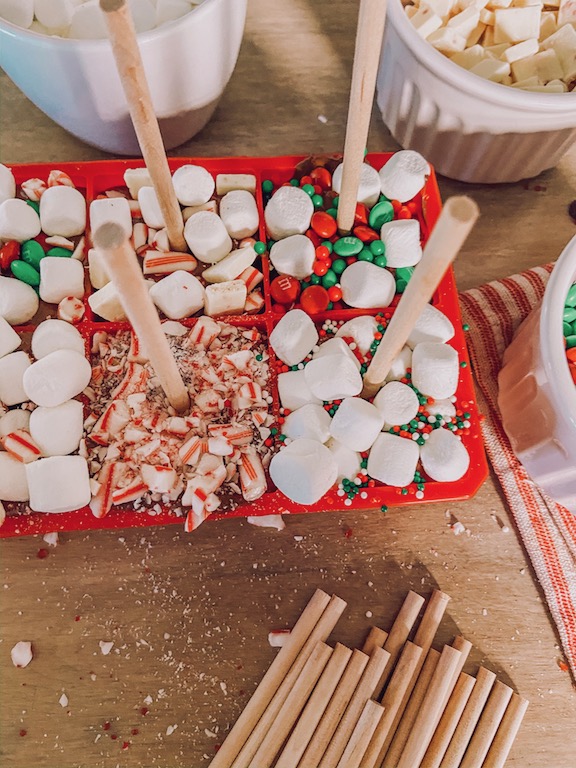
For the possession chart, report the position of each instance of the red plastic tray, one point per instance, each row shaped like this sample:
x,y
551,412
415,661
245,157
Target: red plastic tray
x,y
93,178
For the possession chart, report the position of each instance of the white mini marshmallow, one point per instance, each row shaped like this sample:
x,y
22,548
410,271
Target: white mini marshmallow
x,y
111,209
368,188
435,369
106,303
63,211
135,179
357,423
7,182
304,471
348,461
400,364
53,14
226,298
97,269
9,339
18,12
288,212
445,408
402,240
18,301
178,295
58,484
393,460
294,392
12,369
336,346
18,220
13,482
404,175
239,213
13,420
57,431
207,237
58,377
193,185
294,255
310,421
366,286
150,208
362,330
444,456
51,335
333,377
293,337
88,22
432,325
61,277
231,266
398,404
226,182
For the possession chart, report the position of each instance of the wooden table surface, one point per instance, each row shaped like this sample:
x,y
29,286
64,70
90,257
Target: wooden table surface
x,y
189,614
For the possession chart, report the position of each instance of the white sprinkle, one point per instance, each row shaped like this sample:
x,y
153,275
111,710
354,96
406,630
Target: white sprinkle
x,y
484,612
21,654
322,118
368,614
298,538
63,700
348,502
170,730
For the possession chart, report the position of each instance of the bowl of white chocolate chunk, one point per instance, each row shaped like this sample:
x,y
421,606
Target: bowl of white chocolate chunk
x,y
58,54
483,89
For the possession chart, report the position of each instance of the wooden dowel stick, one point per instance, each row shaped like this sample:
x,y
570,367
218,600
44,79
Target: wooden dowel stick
x,y
410,712
451,230
369,33
361,735
124,271
271,681
133,78
472,711
393,695
431,709
292,706
363,692
320,632
315,707
334,710
506,732
448,721
375,639
398,635
464,646
487,725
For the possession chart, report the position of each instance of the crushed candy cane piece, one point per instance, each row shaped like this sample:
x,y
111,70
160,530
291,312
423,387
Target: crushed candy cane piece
x,y
106,646
21,654
278,637
71,309
20,445
63,700
267,521
51,538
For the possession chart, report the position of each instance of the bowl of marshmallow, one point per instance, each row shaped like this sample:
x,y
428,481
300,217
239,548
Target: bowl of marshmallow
x,y
484,90
58,54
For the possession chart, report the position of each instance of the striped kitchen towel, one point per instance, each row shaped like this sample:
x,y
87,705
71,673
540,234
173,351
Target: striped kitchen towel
x,y
493,312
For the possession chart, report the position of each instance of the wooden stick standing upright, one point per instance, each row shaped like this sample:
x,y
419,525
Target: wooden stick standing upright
x,y
133,78
122,266
451,230
369,33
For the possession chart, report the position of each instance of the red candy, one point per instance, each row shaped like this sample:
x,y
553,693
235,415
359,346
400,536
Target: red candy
x,y
335,293
361,214
320,268
284,289
323,224
364,233
316,240
314,299
321,177
9,252
323,253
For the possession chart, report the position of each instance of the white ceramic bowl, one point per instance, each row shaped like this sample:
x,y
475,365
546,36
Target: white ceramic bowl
x,y
537,397
188,63
469,128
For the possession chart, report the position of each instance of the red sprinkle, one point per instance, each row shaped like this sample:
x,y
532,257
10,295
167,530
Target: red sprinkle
x,y
106,726
77,618
42,554
134,731
144,711
125,744
23,732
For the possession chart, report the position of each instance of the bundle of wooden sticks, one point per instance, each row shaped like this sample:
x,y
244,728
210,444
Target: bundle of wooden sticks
x,y
396,703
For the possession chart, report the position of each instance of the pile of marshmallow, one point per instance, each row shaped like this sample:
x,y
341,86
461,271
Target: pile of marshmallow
x,y
229,285
83,19
529,45
321,449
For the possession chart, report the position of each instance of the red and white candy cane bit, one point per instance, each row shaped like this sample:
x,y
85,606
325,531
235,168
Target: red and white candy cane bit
x,y
140,236
177,426
108,478
71,309
254,302
159,240
249,393
252,475
259,417
164,263
252,334
136,353
134,381
58,178
114,193
33,189
247,242
194,520
135,209
113,420
20,445
235,435
60,242
203,333
251,277
131,492
79,253
191,451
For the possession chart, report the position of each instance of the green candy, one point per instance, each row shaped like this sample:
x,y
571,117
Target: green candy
x,y
571,298
400,286
32,253
567,329
34,204
570,340
327,244
365,255
295,182
259,247
338,266
404,273
329,279
380,214
380,261
60,252
309,189
377,247
332,212
25,272
267,186
348,246
569,314
315,279
318,201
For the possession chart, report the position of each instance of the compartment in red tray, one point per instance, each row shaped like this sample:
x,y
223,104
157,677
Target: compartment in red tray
x,y
99,176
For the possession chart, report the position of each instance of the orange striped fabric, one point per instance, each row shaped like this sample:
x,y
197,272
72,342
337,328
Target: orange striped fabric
x,y
548,531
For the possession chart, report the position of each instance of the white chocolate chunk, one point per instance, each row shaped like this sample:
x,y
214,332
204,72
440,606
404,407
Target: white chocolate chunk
x,y
521,50
97,269
58,484
106,303
513,25
465,21
227,298
492,69
226,182
469,57
425,22
21,653
548,66
447,40
566,12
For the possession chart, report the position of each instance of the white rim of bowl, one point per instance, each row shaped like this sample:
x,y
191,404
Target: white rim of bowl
x,y
552,338
71,42
435,61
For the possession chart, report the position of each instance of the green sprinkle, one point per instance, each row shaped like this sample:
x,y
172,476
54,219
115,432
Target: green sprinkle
x,y
267,186
404,491
309,189
463,364
383,508
259,358
465,327
295,182
259,247
273,431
